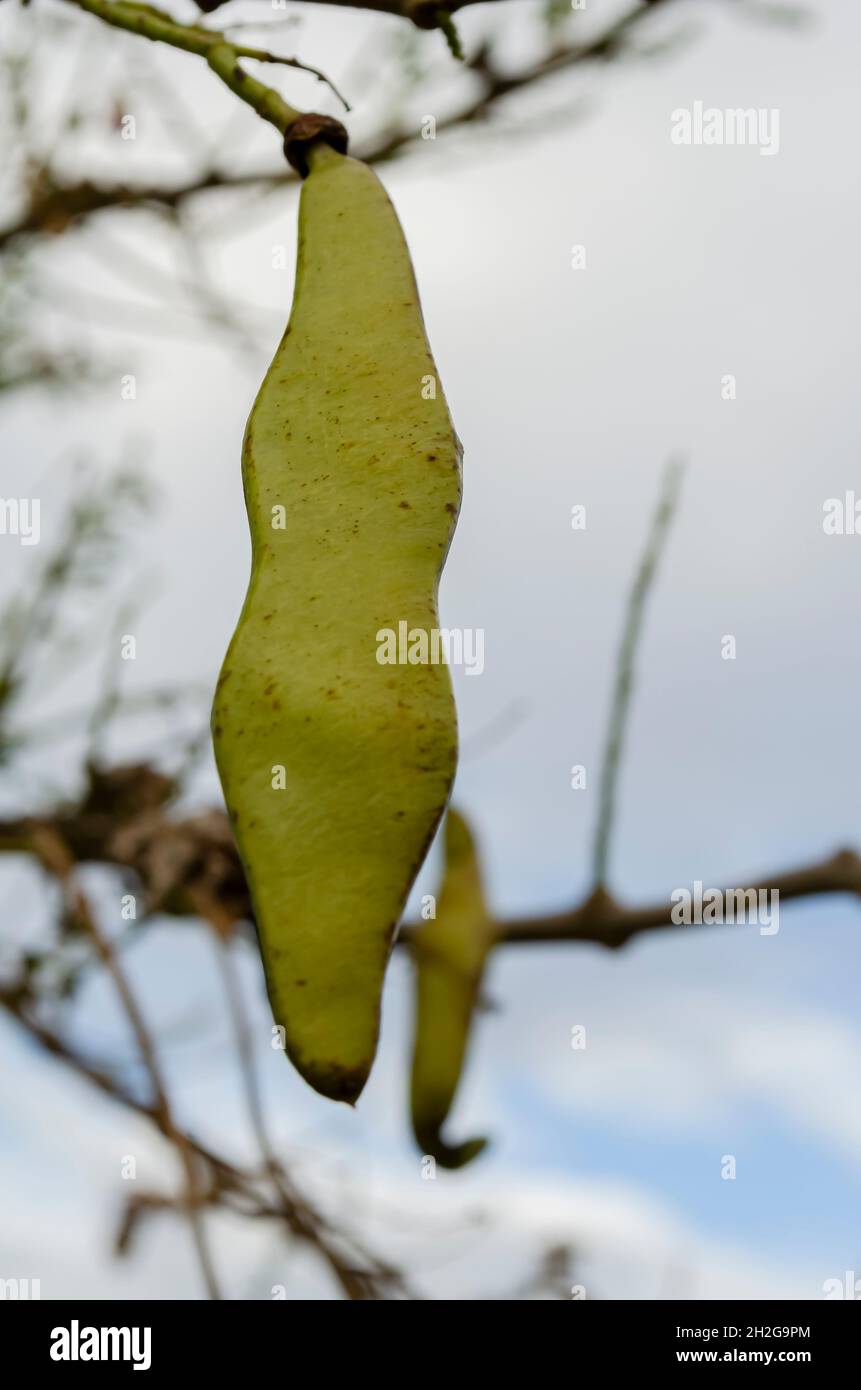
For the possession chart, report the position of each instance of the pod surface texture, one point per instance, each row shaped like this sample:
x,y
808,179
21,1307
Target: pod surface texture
x,y
347,439
450,953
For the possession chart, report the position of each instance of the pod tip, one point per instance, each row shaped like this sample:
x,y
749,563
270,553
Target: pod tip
x,y
335,1081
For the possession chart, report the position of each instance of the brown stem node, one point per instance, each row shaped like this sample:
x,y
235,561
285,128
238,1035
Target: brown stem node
x,y
302,133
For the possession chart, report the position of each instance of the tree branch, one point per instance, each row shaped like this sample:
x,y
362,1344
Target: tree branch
x,y
423,13
221,55
54,856
624,682
185,864
300,1221
602,920
55,205
363,1276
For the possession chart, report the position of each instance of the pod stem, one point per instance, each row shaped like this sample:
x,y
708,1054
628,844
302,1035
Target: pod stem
x,y
222,56
312,138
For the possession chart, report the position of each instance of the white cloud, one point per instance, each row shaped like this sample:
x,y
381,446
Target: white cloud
x,y
474,1235
689,1065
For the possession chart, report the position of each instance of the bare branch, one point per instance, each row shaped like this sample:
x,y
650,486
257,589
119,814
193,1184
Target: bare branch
x,y
54,205
220,53
299,1220
602,920
364,1277
187,865
624,682
54,856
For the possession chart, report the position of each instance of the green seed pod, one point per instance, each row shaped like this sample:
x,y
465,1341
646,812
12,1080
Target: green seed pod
x,y
336,768
450,953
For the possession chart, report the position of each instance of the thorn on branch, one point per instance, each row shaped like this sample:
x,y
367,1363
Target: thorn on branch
x,y
446,23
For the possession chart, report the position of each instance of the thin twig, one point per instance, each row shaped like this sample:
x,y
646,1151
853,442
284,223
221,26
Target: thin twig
x,y
232,1186
605,922
212,45
54,855
357,1284
56,204
624,682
